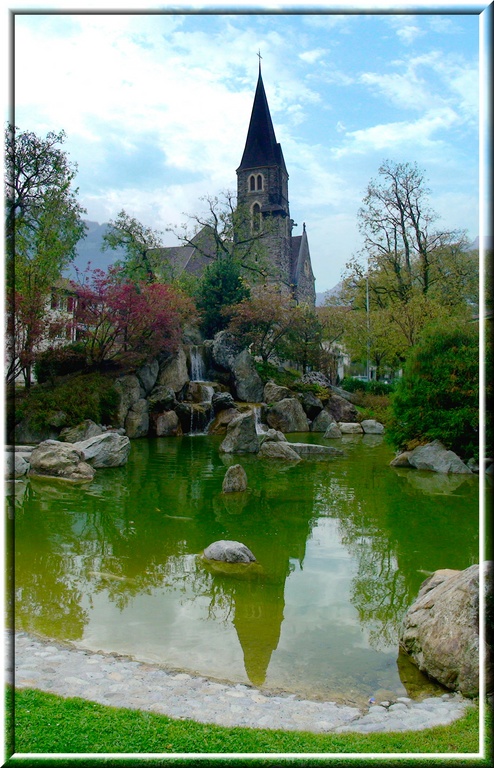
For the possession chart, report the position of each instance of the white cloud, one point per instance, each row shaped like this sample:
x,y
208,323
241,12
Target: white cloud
x,y
312,56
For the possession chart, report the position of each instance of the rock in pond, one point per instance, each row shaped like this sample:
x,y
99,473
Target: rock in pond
x,y
372,427
107,450
350,428
440,631
307,450
229,552
272,449
287,415
235,480
241,435
62,460
436,458
82,431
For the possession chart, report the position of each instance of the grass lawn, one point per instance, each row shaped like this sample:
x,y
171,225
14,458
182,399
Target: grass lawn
x,y
44,723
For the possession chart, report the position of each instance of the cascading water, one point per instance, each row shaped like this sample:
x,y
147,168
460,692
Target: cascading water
x,y
198,425
197,371
260,427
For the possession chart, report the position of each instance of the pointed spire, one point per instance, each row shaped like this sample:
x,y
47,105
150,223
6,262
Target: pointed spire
x,y
261,147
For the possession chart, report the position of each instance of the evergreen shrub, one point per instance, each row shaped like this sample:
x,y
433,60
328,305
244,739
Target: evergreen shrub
x,y
438,396
59,361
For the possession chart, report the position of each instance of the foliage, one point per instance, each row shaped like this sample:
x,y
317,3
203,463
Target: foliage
x,y
76,726
59,361
438,396
225,231
303,340
43,226
139,242
126,320
220,288
350,384
284,377
84,396
262,322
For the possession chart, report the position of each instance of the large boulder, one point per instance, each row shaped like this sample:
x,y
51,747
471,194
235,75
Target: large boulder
x,y
287,416
224,350
311,404
107,450
333,431
167,424
372,427
222,401
148,375
272,449
16,463
341,409
436,458
129,392
401,460
53,458
220,423
161,398
440,631
247,383
137,419
235,479
322,422
229,552
241,435
82,431
316,377
350,428
273,435
273,393
173,372
307,450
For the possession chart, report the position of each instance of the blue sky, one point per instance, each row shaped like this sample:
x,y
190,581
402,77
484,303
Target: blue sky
x,y
156,109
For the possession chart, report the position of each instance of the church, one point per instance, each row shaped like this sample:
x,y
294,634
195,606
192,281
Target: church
x,y
262,191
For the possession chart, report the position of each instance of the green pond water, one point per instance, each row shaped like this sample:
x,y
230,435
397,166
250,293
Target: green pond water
x,y
342,548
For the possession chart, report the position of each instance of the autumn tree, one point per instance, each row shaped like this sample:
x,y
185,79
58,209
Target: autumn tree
x,y
43,226
263,321
303,341
127,321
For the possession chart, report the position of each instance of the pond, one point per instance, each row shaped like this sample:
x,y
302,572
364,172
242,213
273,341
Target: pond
x,y
342,545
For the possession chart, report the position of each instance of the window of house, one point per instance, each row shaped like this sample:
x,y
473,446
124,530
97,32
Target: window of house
x,y
259,181
70,303
54,301
252,183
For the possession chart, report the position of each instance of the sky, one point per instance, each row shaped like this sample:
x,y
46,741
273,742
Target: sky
x,y
156,108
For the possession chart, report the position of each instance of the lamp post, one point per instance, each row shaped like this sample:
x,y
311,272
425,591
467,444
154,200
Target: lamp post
x,y
368,319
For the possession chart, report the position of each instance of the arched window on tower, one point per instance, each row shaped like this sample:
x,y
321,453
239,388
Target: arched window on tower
x,y
259,181
252,183
256,217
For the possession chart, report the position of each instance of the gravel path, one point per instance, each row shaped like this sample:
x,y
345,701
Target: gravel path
x,y
122,682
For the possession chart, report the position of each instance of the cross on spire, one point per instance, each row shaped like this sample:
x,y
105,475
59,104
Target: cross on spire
x,y
260,57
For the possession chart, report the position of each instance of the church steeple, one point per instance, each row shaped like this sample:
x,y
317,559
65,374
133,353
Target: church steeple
x,y
261,147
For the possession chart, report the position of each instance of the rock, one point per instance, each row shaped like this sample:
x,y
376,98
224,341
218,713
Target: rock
x,y
350,428
307,450
341,409
272,435
241,435
372,427
148,375
333,431
25,432
352,397
107,450
129,392
436,458
235,479
173,371
224,350
222,401
220,423
53,458
287,416
311,404
162,398
200,391
273,393
167,424
278,450
82,431
401,460
246,381
57,419
440,631
137,419
322,422
16,464
316,377
229,552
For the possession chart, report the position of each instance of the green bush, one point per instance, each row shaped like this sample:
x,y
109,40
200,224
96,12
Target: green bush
x,y
350,384
92,396
59,361
271,372
221,286
438,396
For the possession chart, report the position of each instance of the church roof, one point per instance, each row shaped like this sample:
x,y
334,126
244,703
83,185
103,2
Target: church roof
x,y
261,147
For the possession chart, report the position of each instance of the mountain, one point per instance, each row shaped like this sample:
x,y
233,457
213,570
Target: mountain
x,y
321,297
89,250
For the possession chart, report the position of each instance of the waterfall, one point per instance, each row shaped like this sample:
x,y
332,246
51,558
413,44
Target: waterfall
x,y
197,372
260,427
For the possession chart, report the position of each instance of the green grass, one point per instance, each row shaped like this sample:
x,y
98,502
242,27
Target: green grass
x,y
44,723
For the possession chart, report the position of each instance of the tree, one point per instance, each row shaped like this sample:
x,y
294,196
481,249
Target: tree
x,y
263,321
43,227
226,231
139,242
128,321
221,288
438,396
303,340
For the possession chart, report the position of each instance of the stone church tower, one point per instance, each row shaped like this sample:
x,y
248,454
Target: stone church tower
x,y
262,188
